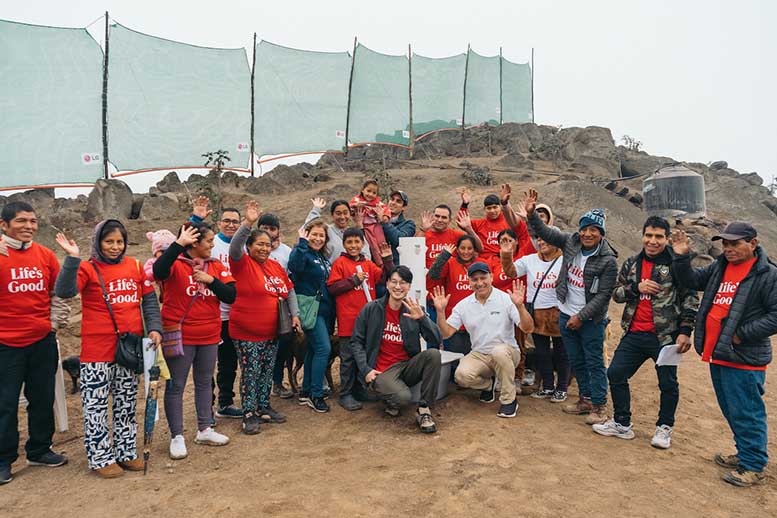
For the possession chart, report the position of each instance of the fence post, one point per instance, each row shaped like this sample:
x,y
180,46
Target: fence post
x,y
410,97
532,85
105,101
253,70
350,85
464,107
501,104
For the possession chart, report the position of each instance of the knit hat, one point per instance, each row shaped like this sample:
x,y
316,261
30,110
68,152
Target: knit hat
x,y
271,220
491,199
160,240
594,217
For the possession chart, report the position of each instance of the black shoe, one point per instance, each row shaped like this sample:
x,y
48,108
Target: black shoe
x,y
270,415
304,397
251,423
230,412
508,410
487,396
318,404
5,474
424,419
326,393
48,459
349,403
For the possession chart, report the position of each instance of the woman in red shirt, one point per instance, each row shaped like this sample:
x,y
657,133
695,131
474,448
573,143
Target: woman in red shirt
x,y
194,285
132,300
449,269
263,283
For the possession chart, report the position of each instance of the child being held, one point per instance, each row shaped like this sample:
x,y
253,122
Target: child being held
x,y
160,241
375,213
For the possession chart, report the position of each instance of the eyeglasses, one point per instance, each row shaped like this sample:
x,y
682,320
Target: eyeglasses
x,y
231,221
400,282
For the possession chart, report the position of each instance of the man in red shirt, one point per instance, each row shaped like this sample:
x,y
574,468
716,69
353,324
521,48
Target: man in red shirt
x,y
657,313
435,229
736,318
28,346
386,345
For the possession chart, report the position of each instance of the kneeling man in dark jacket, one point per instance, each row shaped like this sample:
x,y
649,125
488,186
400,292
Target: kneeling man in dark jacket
x,y
386,345
737,315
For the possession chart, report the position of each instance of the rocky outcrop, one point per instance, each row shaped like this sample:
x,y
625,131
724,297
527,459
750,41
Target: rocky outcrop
x,y
109,199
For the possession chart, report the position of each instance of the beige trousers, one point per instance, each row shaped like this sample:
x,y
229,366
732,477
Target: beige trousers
x,y
476,369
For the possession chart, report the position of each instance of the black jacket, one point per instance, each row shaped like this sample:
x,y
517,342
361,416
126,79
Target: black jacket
x,y
368,334
753,313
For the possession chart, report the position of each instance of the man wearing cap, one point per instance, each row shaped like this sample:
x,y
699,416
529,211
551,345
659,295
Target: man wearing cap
x,y
737,315
490,316
587,278
398,226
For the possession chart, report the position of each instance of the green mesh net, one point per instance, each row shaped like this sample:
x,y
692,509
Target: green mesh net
x,y
482,90
300,99
380,103
516,92
170,102
438,92
50,101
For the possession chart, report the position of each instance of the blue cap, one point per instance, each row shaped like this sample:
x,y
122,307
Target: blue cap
x,y
593,218
478,267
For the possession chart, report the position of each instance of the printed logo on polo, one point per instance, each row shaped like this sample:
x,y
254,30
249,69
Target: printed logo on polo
x,y
462,283
575,276
392,333
725,294
122,291
26,279
193,286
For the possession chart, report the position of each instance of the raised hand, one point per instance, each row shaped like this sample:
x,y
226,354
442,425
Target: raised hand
x,y
189,236
463,220
385,250
303,233
200,207
358,216
680,242
530,202
415,311
427,218
440,299
68,245
451,249
252,213
319,203
466,197
504,193
507,246
518,292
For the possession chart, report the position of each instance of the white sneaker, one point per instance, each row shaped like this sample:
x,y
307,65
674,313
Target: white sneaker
x,y
662,438
211,437
613,429
178,448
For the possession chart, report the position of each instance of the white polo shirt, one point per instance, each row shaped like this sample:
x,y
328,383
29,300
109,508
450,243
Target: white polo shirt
x,y
488,324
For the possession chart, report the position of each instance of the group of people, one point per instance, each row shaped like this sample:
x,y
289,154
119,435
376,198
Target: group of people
x,y
236,296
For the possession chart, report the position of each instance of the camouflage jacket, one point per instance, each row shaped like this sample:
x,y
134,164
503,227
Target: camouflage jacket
x,y
674,308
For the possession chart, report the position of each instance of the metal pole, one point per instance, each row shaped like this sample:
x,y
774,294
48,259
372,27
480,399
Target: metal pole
x,y
501,104
464,107
253,70
410,97
350,85
532,85
105,101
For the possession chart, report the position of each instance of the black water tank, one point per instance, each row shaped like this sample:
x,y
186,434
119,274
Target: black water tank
x,y
673,191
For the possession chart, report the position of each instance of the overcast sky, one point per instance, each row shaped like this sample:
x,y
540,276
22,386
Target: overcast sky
x,y
695,80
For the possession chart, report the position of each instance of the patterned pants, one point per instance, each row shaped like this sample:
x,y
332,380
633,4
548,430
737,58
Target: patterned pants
x,y
98,381
257,360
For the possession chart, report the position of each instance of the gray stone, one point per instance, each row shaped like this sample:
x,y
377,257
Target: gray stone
x,y
109,199
170,183
720,164
162,206
753,179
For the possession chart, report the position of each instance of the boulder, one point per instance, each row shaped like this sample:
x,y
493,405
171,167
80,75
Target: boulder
x,y
720,164
731,173
161,206
109,199
516,161
170,183
639,163
592,146
771,204
478,176
753,179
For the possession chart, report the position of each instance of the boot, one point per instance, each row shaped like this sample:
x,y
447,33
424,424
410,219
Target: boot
x,y
581,407
598,415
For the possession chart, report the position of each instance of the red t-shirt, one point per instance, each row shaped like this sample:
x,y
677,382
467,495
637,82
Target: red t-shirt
x,y
26,281
350,303
126,284
203,321
643,317
456,282
254,314
434,244
488,230
501,280
721,305
392,348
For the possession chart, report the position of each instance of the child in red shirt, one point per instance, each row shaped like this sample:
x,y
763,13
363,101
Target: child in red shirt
x,y
351,279
374,213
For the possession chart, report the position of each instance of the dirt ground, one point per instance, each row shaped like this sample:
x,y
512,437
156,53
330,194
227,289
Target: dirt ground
x,y
541,464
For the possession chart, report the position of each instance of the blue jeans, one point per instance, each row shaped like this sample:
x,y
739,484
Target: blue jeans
x,y
316,357
585,350
740,397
